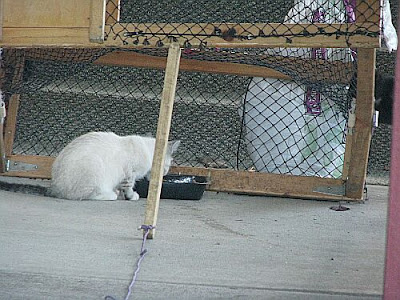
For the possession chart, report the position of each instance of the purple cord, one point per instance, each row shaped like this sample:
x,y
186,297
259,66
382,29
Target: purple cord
x,y
350,10
143,252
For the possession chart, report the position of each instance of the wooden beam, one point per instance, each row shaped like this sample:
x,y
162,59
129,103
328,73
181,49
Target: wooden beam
x,y
46,37
258,183
247,35
138,60
221,180
42,166
1,18
79,37
46,13
11,123
97,21
71,23
163,128
349,142
13,105
315,70
363,125
28,23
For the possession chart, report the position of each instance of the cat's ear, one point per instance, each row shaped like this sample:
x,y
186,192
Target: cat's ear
x,y
173,145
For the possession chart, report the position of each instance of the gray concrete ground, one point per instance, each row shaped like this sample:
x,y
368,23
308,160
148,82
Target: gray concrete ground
x,y
222,247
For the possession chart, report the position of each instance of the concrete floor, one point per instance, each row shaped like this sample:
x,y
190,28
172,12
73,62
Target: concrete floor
x,y
222,247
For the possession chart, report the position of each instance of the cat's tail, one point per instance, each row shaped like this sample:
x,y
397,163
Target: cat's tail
x,y
32,189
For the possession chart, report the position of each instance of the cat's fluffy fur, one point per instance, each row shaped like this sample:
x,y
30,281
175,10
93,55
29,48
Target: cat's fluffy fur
x,y
100,165
384,94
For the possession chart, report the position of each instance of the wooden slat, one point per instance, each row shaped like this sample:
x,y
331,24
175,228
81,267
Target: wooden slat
x,y
29,23
222,180
363,126
11,122
49,37
138,60
79,37
46,13
43,164
69,23
13,105
257,183
314,70
277,34
1,18
163,128
347,156
349,141
97,21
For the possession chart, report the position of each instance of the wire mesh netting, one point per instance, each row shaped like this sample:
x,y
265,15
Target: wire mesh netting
x,y
293,123
197,23
218,117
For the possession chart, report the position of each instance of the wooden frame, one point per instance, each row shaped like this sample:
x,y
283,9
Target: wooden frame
x,y
82,23
72,23
350,187
314,70
291,32
361,139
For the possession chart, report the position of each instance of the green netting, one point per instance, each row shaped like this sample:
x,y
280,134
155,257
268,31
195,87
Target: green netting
x,y
157,22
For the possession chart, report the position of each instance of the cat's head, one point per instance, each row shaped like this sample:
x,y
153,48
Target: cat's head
x,y
171,149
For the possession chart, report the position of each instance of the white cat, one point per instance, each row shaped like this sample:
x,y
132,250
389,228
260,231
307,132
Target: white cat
x,y
99,165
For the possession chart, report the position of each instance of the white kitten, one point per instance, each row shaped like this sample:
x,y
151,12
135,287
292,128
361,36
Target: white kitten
x,y
98,165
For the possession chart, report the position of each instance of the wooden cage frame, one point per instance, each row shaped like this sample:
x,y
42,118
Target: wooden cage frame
x,y
82,23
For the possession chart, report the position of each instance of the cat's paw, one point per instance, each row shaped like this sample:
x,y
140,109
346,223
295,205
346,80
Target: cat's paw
x,y
133,196
105,196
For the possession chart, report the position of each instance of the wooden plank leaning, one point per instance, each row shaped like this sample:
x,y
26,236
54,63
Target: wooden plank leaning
x,y
361,138
163,127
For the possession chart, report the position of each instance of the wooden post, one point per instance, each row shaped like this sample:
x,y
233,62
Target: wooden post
x,y
363,125
1,19
163,127
349,141
97,21
13,104
11,123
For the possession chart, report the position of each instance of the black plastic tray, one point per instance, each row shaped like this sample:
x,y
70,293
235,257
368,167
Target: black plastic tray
x,y
181,187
